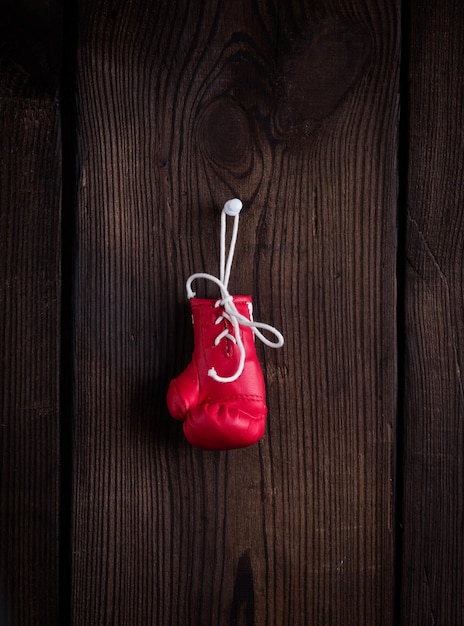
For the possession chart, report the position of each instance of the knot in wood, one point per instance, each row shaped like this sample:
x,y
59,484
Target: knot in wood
x,y
224,135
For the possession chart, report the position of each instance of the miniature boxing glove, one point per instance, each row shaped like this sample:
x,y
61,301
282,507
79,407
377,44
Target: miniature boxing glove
x,y
220,415
220,396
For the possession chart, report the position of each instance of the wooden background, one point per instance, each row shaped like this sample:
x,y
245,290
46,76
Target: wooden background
x,y
124,127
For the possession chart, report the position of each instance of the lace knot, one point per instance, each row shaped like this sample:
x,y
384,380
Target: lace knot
x,y
222,302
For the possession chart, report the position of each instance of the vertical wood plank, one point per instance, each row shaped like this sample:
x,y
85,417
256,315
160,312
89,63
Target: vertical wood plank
x,y
433,542
291,106
29,313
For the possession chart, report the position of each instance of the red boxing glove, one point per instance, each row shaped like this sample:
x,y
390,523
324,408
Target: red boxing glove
x,y
220,395
220,415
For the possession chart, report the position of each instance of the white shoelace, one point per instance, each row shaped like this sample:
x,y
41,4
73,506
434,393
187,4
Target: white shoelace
x,y
230,312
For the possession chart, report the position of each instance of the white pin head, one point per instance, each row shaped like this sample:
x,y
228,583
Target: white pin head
x,y
233,207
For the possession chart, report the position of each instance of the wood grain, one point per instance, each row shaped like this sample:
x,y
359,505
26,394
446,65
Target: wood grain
x,y
291,106
29,319
29,345
433,543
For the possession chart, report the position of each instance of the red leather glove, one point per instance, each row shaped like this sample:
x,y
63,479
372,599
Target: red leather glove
x,y
220,395
220,415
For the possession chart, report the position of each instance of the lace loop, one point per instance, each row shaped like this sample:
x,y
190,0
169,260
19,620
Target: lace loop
x,y
226,301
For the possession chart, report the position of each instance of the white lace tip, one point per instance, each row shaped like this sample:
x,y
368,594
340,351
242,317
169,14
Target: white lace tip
x,y
233,207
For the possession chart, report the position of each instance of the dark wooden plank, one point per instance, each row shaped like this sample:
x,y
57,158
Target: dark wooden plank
x,y
29,312
30,53
433,543
292,107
